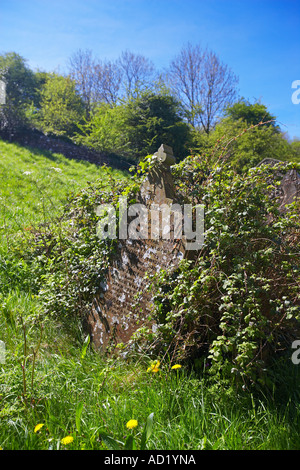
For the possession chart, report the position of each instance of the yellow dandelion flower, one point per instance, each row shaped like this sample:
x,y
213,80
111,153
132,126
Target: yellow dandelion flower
x,y
132,423
38,427
154,367
67,440
177,366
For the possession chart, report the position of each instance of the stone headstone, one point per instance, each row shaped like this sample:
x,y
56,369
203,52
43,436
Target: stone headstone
x,y
125,304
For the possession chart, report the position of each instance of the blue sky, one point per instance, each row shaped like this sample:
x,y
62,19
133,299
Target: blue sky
x,y
258,39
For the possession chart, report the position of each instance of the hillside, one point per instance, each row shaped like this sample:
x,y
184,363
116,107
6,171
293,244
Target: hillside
x,y
35,183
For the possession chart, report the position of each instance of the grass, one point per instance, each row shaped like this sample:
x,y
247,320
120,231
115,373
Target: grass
x,y
35,185
84,397
51,377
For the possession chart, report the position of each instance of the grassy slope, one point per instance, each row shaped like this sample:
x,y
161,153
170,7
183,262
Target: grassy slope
x,y
35,184
187,415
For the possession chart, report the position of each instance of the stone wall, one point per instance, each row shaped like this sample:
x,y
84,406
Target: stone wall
x,y
35,139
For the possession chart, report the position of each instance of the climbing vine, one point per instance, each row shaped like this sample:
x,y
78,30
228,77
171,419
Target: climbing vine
x,y
235,307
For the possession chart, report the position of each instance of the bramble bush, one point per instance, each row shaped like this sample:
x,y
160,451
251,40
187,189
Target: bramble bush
x,y
64,259
235,307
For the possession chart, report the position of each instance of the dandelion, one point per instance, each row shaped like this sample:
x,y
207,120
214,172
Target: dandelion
x,y
132,423
176,366
67,440
154,367
38,427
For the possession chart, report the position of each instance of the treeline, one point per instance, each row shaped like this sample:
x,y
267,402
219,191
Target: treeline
x,y
127,107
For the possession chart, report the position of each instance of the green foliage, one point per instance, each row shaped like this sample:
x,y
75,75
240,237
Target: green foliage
x,y
61,109
92,400
295,145
105,131
21,86
250,113
72,390
237,305
152,119
248,148
233,308
137,127
67,259
35,187
244,138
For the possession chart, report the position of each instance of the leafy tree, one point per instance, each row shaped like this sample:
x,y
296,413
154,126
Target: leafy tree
x,y
61,109
295,145
251,113
152,119
138,127
246,147
243,140
21,84
105,132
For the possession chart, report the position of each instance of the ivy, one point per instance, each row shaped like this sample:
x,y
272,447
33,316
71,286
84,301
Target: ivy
x,y
68,262
237,306
231,310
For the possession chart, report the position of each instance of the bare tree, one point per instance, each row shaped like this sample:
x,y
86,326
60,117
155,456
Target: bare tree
x,y
218,90
108,77
138,72
203,84
184,79
82,70
96,81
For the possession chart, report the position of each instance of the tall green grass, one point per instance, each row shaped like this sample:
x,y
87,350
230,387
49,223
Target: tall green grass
x,y
87,397
52,377
35,185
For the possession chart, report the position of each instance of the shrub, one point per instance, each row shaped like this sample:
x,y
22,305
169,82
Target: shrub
x,y
66,258
237,305
137,127
61,108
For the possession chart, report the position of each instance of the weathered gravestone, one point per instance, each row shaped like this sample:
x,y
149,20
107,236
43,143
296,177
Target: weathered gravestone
x,y
124,305
289,188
